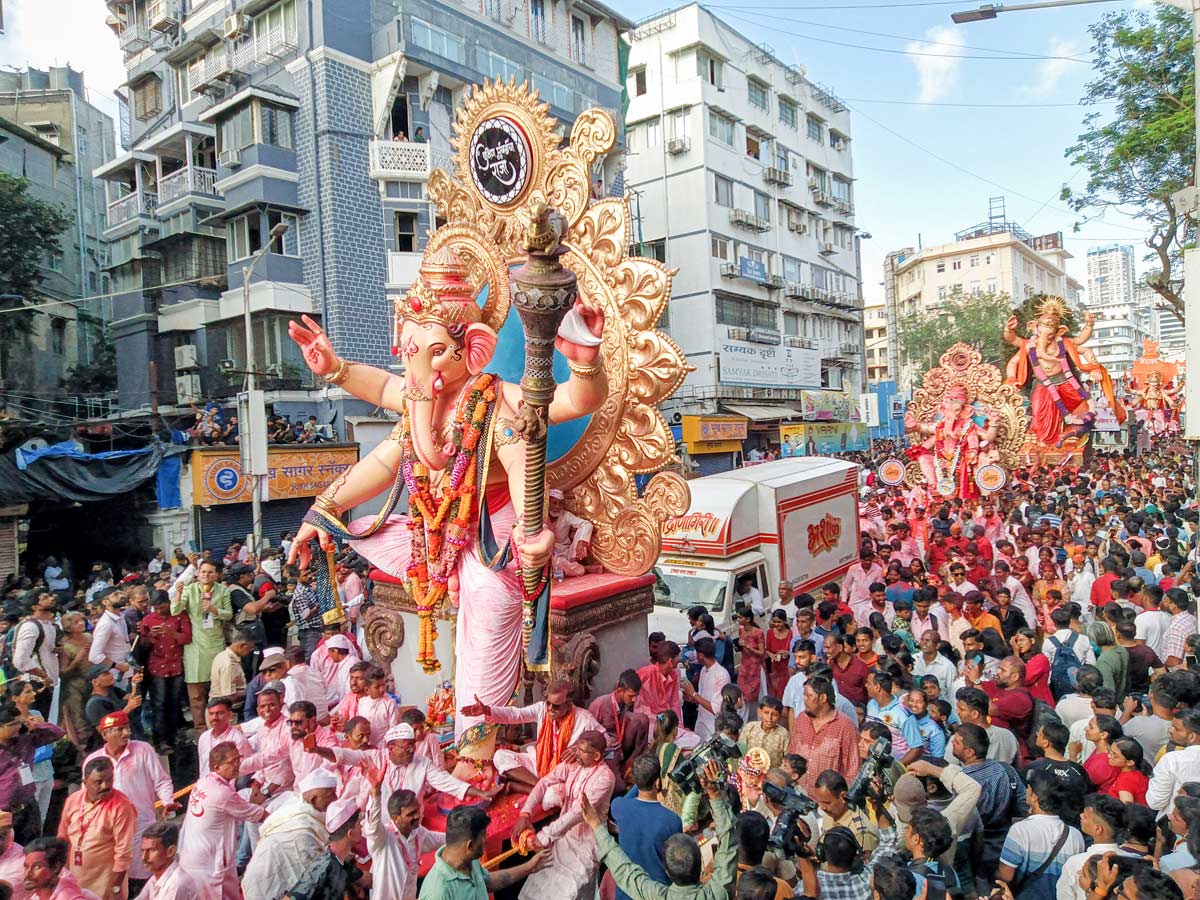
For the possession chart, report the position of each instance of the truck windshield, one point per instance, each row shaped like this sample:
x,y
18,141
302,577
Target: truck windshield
x,y
682,591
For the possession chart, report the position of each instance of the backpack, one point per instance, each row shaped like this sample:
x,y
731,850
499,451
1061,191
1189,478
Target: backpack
x,y
1064,668
8,642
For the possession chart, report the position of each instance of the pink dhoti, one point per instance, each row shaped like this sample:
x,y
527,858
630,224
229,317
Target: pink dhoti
x,y
488,634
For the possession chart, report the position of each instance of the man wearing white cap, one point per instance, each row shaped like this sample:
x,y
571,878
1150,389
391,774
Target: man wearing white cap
x,y
572,537
332,661
209,838
331,875
372,702
401,770
291,838
395,856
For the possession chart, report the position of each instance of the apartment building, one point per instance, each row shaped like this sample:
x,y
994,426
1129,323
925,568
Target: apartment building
x,y
741,166
319,122
53,136
875,332
1124,320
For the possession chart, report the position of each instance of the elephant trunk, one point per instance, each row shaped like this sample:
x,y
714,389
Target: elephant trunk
x,y
425,443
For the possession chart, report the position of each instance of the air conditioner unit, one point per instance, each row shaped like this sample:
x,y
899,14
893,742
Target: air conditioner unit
x,y
812,182
797,226
827,248
186,357
776,281
729,270
230,158
187,388
235,25
676,146
776,175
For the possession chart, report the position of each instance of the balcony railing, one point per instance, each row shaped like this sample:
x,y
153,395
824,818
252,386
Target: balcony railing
x,y
400,160
188,180
129,207
134,37
277,42
203,73
162,14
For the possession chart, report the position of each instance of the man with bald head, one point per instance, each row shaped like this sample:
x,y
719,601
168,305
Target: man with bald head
x,y
1011,704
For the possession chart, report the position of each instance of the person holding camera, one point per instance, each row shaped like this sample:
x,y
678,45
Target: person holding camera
x,y
681,853
831,793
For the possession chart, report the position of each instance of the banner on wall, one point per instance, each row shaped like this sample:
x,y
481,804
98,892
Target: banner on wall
x,y
769,365
292,472
829,406
823,439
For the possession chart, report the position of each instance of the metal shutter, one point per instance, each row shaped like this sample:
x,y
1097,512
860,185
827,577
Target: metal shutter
x,y
221,525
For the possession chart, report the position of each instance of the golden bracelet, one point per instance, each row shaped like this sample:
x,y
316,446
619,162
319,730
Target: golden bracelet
x,y
587,373
339,374
326,505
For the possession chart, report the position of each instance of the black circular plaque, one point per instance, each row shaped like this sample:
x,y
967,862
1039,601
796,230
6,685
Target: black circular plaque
x,y
499,160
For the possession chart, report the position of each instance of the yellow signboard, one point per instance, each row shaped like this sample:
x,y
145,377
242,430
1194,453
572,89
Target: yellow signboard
x,y
707,428
294,472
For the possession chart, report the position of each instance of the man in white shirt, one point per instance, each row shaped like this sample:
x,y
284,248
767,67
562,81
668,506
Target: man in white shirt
x,y
33,648
713,678
931,662
167,881
1153,621
53,574
856,587
1177,767
749,595
290,838
110,640
1016,590
156,564
396,851
1103,821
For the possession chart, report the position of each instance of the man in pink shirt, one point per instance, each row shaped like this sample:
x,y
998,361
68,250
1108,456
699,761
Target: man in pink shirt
x,y
856,587
12,859
209,839
46,874
332,661
167,881
139,775
371,702
305,735
221,728
660,682
274,772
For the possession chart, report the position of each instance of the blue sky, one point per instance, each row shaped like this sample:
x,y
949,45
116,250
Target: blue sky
x,y
903,193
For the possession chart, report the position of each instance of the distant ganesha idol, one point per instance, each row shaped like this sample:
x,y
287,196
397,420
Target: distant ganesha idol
x,y
966,427
1061,407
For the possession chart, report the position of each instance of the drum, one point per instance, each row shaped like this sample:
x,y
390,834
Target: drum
x,y
990,478
891,472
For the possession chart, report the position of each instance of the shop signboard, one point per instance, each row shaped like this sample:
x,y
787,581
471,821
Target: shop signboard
x,y
769,365
291,472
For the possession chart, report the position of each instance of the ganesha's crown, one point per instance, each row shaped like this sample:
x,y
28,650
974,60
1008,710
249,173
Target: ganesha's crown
x,y
442,293
1052,307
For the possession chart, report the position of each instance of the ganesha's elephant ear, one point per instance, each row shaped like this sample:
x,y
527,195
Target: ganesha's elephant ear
x,y
480,343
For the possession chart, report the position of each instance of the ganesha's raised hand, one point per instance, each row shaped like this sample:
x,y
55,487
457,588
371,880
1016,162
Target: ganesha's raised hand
x,y
314,344
300,549
593,320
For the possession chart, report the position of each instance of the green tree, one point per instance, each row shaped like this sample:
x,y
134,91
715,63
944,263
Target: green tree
x,y
29,233
1138,154
97,377
977,319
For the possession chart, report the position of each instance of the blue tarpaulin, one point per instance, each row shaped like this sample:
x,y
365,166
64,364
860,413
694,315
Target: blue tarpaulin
x,y
166,485
67,448
63,473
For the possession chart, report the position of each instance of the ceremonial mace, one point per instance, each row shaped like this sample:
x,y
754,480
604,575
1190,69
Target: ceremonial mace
x,y
543,293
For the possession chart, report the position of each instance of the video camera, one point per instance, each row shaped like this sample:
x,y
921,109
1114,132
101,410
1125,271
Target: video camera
x,y
879,758
687,773
785,836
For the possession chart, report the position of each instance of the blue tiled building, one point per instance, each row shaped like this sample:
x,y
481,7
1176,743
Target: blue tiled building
x,y
324,115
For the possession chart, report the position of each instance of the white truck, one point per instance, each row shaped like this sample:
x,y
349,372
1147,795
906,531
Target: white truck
x,y
793,520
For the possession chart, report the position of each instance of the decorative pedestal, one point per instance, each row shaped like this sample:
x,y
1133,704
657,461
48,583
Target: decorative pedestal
x,y
586,614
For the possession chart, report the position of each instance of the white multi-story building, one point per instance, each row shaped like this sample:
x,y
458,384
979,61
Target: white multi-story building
x,y
741,171
1124,320
996,256
875,330
1169,329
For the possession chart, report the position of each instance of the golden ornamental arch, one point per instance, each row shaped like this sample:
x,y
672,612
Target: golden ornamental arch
x,y
627,436
963,365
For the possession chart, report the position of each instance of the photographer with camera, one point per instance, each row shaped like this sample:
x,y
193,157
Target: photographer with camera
x,y
831,795
753,835
681,853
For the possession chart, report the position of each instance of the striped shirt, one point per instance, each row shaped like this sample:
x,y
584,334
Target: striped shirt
x,y
1181,625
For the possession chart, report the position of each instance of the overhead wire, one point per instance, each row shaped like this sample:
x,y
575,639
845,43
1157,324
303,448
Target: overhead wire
x,y
1016,54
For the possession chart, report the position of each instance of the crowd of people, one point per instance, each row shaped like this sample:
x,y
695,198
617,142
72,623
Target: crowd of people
x,y
999,699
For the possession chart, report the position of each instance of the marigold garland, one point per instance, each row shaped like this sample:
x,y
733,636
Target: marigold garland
x,y
440,517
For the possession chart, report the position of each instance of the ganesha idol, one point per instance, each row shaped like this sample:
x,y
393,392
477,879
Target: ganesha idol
x,y
960,438
459,449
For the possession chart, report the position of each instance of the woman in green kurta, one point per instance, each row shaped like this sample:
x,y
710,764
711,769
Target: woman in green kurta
x,y
209,607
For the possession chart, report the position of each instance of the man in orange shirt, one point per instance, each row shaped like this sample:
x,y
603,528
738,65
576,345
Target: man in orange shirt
x,y
979,617
99,823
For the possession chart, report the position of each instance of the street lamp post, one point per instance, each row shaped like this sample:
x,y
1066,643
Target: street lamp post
x,y
251,382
